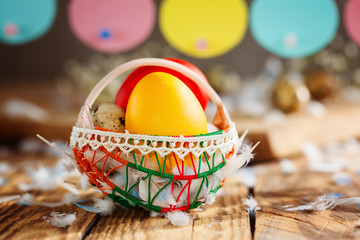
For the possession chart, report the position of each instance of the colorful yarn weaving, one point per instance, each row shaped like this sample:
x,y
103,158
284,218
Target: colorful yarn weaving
x,y
133,169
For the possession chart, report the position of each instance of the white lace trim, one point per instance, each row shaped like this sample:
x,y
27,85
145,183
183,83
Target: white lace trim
x,y
181,146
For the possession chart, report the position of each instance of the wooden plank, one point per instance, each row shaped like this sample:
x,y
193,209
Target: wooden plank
x,y
225,219
275,190
275,223
136,224
57,127
286,138
62,115
27,222
16,174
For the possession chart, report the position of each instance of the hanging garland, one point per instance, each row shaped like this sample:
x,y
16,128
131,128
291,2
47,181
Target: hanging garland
x,y
23,21
293,28
112,26
352,19
203,28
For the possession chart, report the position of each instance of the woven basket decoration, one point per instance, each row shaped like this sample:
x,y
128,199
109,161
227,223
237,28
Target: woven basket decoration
x,y
133,169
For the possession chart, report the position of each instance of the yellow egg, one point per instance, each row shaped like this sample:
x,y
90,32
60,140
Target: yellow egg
x,y
161,104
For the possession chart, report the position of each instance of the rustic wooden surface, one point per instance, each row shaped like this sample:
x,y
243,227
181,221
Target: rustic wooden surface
x,y
225,219
61,115
26,222
286,138
274,190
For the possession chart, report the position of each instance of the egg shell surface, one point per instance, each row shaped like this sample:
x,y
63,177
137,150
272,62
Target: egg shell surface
x,y
161,104
122,97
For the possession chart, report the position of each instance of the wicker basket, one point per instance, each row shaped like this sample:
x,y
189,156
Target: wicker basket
x,y
160,173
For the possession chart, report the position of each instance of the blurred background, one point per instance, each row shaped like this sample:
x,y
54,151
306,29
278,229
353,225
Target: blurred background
x,y
287,70
45,58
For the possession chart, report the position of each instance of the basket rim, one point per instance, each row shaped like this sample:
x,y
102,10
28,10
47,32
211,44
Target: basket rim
x,y
163,145
192,138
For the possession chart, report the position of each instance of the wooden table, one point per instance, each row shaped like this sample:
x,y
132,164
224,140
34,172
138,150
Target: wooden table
x,y
227,218
285,138
275,190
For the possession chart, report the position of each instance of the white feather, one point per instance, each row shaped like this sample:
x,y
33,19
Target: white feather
x,y
67,200
251,203
31,145
317,109
26,199
84,181
60,219
155,214
68,156
331,166
18,108
287,166
328,201
105,206
341,178
49,178
242,158
119,180
327,160
5,168
247,176
3,181
178,218
164,199
71,188
9,198
312,152
275,117
210,198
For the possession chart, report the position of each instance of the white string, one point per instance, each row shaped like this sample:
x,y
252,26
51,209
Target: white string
x,y
126,142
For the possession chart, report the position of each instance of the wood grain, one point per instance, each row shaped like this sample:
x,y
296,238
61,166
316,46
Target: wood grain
x,y
286,138
27,222
225,219
275,190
